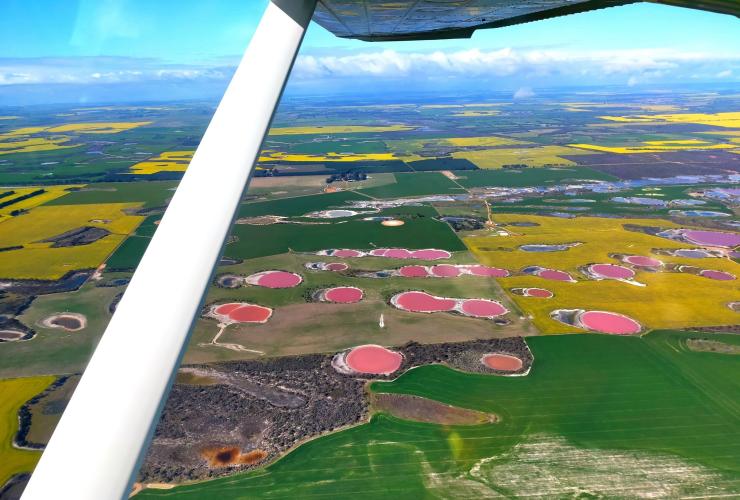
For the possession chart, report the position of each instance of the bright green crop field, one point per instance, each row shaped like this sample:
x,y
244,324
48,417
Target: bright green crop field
x,y
416,184
527,176
421,230
152,193
300,205
596,416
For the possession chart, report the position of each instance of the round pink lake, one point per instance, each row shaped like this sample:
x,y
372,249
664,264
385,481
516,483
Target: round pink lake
x,y
397,253
712,238
482,308
540,293
555,275
642,261
612,271
244,313
717,275
225,309
494,272
430,254
275,279
502,362
343,294
336,266
413,272
378,252
423,302
446,271
346,253
608,322
373,359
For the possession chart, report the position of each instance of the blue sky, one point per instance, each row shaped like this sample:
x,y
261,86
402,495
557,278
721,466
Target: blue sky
x,y
124,41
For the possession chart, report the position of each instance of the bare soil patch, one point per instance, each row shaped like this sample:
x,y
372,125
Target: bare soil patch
x,y
420,409
326,327
707,345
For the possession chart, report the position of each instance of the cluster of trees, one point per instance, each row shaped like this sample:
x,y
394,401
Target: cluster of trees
x,y
347,176
21,198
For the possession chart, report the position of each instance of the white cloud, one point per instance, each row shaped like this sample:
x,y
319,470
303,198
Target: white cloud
x,y
82,70
514,67
524,93
508,62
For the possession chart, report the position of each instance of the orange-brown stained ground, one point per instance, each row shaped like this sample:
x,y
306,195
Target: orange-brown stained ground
x,y
232,455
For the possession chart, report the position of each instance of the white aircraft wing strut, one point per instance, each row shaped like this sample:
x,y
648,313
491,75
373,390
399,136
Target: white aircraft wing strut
x,y
96,449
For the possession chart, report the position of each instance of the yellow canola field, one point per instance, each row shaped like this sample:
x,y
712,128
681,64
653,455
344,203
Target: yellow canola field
x,y
723,133
15,392
732,136
658,147
35,144
37,260
338,129
669,300
586,106
728,120
96,127
28,140
534,157
169,161
52,193
268,156
482,141
178,161
22,131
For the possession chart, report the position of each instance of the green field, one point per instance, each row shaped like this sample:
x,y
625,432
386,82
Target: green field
x,y
527,176
53,350
416,184
597,416
152,193
300,205
81,165
128,255
421,230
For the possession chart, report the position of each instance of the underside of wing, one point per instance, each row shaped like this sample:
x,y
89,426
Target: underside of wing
x,y
384,20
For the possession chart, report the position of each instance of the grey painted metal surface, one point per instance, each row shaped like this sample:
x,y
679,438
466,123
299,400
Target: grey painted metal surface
x,y
379,20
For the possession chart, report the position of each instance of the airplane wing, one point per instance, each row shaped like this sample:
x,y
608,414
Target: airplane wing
x,y
379,20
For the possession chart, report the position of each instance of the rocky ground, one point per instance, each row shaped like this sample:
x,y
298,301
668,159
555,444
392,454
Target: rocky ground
x,y
255,406
227,417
